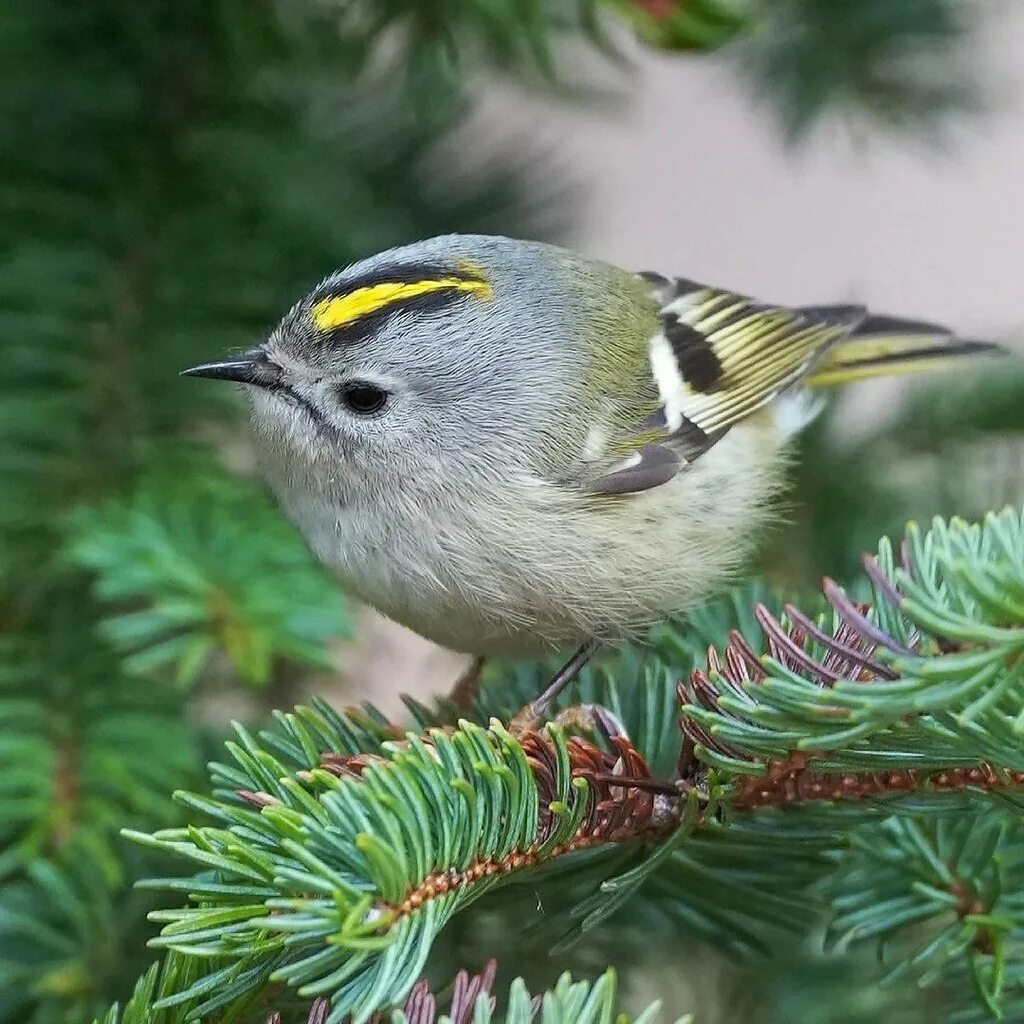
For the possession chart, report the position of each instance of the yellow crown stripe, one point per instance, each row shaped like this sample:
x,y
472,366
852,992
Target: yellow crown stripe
x,y
330,314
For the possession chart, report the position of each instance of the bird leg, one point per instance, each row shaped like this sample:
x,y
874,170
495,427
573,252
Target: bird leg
x,y
596,718
466,688
533,715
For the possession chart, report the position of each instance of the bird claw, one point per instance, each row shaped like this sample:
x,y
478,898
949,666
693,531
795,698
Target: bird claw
x,y
592,718
595,718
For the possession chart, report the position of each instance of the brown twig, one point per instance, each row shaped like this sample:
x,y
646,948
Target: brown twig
x,y
625,803
792,781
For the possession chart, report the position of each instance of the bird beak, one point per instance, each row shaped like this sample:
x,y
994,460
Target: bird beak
x,y
251,367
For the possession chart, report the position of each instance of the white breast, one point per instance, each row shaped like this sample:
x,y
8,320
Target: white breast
x,y
535,567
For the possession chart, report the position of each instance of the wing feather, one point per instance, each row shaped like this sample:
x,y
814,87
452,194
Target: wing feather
x,y
719,357
760,350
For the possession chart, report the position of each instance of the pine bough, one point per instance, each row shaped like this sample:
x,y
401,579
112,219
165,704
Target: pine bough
x,y
863,767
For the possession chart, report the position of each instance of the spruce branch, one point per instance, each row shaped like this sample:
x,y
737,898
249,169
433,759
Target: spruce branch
x,y
468,999
83,750
379,849
69,934
438,41
193,563
957,875
929,677
898,64
916,708
342,846
77,753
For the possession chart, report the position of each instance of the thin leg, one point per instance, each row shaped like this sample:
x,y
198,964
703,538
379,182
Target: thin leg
x,y
467,686
538,710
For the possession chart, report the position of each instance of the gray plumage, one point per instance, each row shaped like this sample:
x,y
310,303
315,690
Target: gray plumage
x,y
567,450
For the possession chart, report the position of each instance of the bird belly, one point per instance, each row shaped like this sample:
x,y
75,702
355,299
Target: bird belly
x,y
544,570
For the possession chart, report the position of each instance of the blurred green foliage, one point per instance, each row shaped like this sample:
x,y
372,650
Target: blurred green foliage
x,y
170,552
898,64
174,174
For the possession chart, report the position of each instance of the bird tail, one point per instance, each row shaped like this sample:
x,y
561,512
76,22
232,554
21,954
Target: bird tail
x,y
881,346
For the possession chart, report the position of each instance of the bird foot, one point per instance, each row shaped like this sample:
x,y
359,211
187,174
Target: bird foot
x,y
533,715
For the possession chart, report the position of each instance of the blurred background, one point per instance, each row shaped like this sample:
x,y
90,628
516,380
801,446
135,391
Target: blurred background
x,y
174,175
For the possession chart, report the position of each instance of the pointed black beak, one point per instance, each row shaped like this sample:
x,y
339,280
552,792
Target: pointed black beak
x,y
252,367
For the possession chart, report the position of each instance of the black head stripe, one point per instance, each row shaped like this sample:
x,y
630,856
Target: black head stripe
x,y
422,304
694,354
419,306
392,273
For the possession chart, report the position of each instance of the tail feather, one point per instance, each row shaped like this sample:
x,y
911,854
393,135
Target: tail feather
x,y
881,346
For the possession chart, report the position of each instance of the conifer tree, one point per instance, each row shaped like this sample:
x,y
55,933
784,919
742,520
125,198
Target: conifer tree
x,y
799,777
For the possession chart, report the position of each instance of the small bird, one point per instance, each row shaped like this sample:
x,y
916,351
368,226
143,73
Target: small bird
x,y
512,449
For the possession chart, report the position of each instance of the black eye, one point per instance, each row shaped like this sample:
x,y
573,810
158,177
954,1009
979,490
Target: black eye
x,y
362,398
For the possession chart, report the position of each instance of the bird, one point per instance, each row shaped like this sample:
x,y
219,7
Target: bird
x,y
512,449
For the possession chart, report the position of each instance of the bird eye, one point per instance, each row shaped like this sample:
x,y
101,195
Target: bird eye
x,y
362,398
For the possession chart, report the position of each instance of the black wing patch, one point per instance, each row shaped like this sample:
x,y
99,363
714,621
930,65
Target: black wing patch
x,y
655,463
718,358
694,354
721,356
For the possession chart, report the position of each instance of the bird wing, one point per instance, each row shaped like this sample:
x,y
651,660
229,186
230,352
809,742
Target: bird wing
x,y
718,357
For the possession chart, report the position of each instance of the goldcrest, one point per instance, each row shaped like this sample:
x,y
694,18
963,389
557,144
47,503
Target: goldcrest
x,y
510,448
